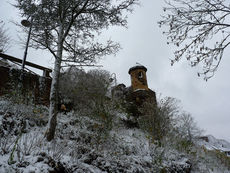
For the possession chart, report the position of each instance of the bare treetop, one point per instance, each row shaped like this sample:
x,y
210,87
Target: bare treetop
x,y
4,38
81,21
200,30
68,28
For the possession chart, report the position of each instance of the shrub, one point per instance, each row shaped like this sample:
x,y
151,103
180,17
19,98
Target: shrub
x,y
82,90
166,122
157,120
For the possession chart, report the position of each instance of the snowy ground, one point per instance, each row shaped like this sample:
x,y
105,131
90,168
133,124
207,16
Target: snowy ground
x,y
211,143
87,144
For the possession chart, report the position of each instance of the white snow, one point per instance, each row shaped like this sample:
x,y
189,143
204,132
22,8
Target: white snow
x,y
214,144
83,145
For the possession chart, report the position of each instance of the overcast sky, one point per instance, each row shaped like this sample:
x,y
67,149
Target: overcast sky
x,y
143,42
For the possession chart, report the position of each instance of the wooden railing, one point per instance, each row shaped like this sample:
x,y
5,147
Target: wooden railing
x,y
46,71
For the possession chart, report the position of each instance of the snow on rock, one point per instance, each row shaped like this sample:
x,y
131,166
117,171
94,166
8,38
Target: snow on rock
x,y
211,143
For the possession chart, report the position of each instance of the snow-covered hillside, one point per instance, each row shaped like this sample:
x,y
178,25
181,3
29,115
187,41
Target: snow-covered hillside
x,y
87,144
211,143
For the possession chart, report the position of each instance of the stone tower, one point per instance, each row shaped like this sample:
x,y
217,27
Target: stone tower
x,y
138,77
136,95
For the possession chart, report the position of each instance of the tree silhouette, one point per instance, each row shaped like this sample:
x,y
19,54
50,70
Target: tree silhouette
x,y
200,30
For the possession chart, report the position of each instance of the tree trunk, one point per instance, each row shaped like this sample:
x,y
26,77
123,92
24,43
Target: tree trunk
x,y
53,110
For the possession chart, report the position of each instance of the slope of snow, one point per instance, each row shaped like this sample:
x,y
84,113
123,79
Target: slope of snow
x,y
86,144
211,143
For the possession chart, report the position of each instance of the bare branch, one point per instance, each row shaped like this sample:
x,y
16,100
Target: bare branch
x,y
67,29
199,30
74,15
4,38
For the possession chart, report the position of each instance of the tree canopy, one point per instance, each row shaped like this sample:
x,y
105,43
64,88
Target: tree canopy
x,y
80,20
200,30
68,29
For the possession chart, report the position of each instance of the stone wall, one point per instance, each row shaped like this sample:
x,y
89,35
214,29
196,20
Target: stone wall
x,y
37,88
141,96
133,100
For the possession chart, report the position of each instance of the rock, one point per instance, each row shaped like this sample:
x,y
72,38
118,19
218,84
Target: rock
x,y
32,172
43,154
40,159
23,164
90,158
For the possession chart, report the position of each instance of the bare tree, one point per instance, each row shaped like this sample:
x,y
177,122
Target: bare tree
x,y
200,29
67,28
187,127
4,38
158,119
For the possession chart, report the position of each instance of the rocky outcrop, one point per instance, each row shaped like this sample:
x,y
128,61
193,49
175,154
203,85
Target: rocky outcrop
x,y
133,99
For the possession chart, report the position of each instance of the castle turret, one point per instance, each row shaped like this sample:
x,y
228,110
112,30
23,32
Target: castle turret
x,y
138,77
136,95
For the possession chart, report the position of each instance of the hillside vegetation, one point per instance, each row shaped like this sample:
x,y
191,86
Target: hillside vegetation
x,y
98,134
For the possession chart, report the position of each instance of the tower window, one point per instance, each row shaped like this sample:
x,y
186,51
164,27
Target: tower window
x,y
140,75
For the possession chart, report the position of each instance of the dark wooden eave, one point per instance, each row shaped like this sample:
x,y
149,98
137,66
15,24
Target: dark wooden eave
x,y
11,58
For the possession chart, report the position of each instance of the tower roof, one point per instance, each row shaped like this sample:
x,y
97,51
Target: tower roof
x,y
138,66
